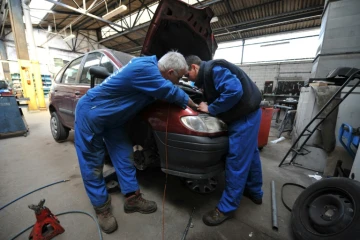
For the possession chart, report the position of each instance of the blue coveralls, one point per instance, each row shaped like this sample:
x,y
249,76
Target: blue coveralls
x,y
243,166
100,117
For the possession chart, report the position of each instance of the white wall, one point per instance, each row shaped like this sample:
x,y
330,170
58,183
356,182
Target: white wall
x,y
260,73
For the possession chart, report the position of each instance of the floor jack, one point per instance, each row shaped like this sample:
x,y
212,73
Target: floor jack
x,y
47,225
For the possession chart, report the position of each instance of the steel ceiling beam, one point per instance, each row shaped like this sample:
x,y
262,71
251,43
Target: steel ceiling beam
x,y
127,37
144,25
99,12
208,3
84,12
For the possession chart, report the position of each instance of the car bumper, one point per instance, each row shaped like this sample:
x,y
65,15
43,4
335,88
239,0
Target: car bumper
x,y
192,156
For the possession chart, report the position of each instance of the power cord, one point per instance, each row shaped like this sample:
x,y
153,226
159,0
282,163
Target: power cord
x,y
32,192
282,193
166,174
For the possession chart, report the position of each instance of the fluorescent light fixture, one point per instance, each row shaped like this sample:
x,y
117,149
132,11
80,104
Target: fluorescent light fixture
x,y
115,12
71,36
214,19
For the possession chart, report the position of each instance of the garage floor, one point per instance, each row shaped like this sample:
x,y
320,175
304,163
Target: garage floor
x,y
31,162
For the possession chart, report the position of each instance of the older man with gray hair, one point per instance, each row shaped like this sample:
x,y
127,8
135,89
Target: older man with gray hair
x,y
100,118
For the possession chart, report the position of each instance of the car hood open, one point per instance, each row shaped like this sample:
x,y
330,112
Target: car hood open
x,y
179,26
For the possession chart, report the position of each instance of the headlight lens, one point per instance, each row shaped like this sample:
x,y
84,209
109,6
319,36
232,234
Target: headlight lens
x,y
204,123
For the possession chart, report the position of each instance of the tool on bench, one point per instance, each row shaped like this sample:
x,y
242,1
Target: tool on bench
x,y
47,225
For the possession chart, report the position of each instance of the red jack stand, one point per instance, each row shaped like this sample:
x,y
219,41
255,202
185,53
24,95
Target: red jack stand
x,y
47,225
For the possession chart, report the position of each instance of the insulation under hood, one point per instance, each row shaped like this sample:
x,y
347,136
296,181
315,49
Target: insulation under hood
x,y
179,26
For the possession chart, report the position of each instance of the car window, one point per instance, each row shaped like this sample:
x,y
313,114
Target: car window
x,y
58,76
92,59
106,63
69,76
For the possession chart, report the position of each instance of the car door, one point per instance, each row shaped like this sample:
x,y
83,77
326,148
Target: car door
x,y
92,59
66,91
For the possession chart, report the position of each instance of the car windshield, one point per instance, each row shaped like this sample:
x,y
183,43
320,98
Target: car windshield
x,y
124,58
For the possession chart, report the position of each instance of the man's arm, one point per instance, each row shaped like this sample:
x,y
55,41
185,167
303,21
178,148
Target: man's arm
x,y
230,89
150,82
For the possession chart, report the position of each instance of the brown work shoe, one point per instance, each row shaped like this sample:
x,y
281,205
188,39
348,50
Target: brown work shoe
x,y
136,203
106,220
215,217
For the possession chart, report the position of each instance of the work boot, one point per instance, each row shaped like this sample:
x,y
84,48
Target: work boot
x,y
136,203
106,220
215,217
255,200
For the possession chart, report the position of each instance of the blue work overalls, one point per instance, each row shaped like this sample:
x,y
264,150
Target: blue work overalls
x,y
100,117
243,166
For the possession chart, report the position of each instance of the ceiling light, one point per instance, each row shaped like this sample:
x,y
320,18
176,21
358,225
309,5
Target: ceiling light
x,y
115,12
71,36
214,19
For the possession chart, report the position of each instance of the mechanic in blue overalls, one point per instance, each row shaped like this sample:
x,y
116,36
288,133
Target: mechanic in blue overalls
x,y
233,97
100,117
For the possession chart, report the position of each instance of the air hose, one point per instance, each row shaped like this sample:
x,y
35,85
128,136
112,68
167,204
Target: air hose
x,y
59,214
32,192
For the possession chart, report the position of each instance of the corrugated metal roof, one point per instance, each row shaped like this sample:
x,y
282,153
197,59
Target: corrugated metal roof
x,y
244,18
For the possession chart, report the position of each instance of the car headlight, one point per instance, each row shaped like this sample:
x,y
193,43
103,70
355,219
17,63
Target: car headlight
x,y
204,123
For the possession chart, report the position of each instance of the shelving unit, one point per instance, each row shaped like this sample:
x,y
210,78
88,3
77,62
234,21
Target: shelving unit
x,y
46,81
17,88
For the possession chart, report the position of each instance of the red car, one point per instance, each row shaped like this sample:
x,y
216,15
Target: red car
x,y
197,143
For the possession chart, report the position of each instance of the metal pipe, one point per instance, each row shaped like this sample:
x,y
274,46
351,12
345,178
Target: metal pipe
x,y
29,29
273,207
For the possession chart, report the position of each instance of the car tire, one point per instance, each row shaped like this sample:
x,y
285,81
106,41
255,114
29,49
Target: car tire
x,y
59,132
328,209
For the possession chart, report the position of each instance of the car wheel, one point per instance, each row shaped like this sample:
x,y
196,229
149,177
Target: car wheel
x,y
202,186
328,209
59,132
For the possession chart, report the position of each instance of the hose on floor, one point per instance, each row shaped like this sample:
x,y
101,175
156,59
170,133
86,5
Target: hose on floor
x,y
59,214
282,193
63,213
61,181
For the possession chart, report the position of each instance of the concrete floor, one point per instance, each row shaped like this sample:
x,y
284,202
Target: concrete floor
x,y
36,160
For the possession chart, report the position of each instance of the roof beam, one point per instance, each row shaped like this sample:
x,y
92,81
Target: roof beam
x,y
84,12
127,37
99,12
144,25
208,3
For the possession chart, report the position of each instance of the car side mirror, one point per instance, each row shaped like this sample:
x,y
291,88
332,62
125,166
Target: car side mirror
x,y
98,72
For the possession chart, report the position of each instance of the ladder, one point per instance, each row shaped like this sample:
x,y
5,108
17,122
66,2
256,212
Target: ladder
x,y
351,74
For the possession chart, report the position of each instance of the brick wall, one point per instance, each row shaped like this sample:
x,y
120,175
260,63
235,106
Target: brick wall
x,y
259,73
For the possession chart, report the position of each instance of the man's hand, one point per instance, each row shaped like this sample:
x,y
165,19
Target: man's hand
x,y
192,104
203,107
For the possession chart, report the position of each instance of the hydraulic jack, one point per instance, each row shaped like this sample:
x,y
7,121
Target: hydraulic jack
x,y
47,225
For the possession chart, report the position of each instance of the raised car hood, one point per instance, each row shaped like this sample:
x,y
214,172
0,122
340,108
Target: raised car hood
x,y
179,26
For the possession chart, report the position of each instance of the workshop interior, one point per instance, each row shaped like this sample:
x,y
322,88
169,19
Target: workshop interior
x,y
180,119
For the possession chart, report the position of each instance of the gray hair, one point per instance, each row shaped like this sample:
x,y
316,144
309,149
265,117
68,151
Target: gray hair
x,y
172,60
